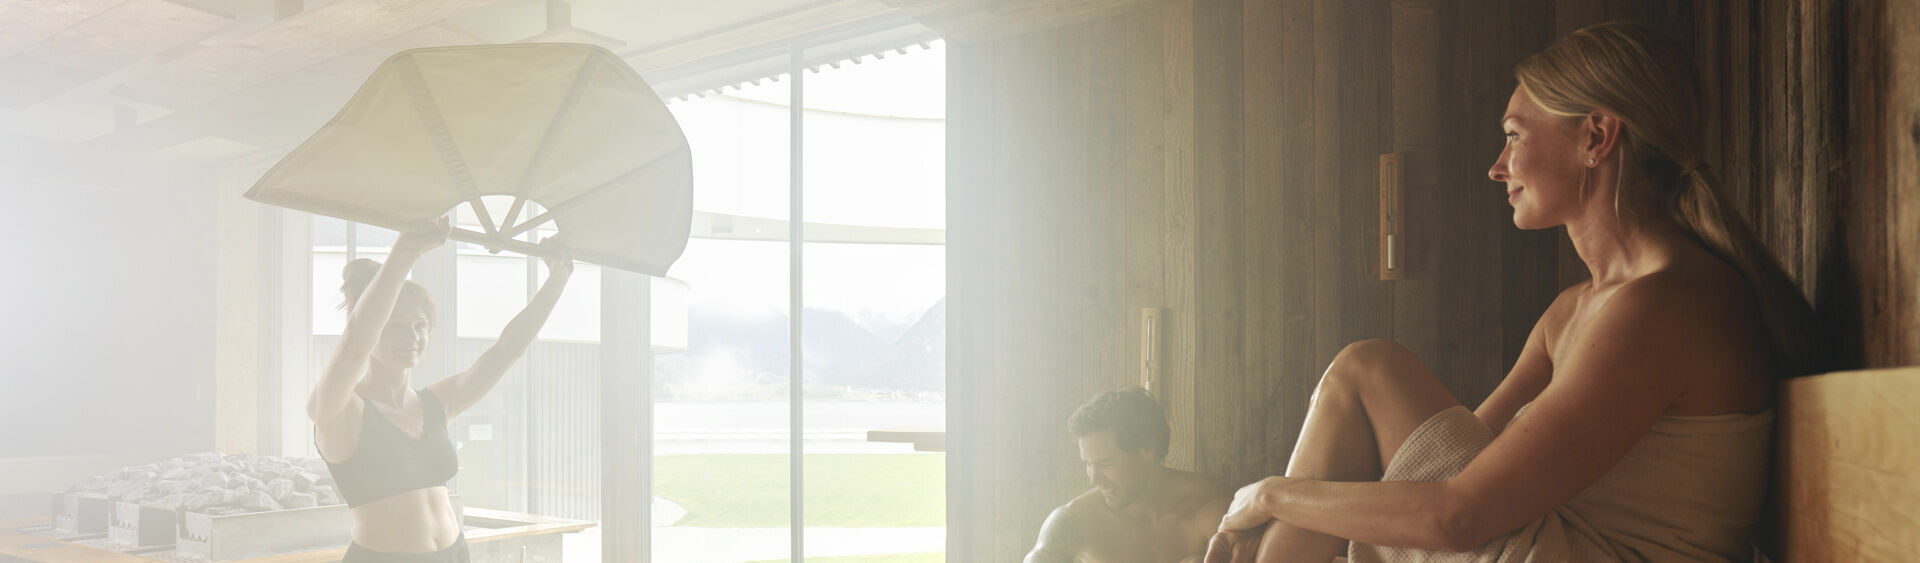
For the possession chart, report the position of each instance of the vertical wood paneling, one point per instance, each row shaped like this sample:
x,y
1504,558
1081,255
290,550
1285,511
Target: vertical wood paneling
x,y
1220,368
1875,306
1139,172
1323,191
1530,274
1022,172
1364,303
1892,266
1216,158
1453,213
1273,243
1177,113
1290,343
1814,123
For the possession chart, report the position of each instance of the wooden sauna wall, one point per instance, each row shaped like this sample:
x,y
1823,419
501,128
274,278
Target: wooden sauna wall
x,y
1816,120
1217,158
1821,120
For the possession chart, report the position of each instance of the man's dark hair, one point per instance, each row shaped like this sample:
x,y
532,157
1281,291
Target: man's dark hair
x,y
1132,415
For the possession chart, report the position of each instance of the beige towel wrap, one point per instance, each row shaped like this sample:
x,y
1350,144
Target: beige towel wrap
x,y
1689,491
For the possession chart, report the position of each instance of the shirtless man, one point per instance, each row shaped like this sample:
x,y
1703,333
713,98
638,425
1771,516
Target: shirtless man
x,y
1139,510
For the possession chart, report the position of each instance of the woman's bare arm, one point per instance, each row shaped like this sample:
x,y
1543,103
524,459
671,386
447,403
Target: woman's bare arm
x,y
1634,361
463,390
1533,369
334,393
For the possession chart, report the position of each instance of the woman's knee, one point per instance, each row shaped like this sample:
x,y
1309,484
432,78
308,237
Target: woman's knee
x,y
1369,360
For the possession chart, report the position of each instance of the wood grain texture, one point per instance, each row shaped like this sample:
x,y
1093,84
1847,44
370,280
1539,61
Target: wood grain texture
x,y
1875,304
1849,466
283,47
1217,255
974,20
1289,217
1057,222
1530,277
1816,120
1274,228
98,45
1216,158
1176,94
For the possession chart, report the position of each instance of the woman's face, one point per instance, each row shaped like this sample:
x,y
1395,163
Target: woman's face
x,y
1542,164
404,337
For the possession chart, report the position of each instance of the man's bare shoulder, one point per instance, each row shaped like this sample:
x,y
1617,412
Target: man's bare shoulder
x,y
1204,500
1061,537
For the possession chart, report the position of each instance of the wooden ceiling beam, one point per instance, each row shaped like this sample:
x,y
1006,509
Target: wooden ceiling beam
x,y
25,23
285,47
279,113
973,20
122,35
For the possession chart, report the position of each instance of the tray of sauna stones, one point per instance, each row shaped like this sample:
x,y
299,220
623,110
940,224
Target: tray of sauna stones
x,y
218,485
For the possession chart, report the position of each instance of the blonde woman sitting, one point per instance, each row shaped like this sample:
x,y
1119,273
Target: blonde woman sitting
x,y
1636,422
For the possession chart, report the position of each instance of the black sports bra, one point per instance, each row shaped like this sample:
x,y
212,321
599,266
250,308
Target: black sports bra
x,y
387,462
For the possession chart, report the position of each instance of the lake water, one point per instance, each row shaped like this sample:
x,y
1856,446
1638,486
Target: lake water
x,y
761,427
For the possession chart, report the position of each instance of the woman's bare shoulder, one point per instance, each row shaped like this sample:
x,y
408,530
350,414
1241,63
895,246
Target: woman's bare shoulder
x,y
1554,321
1713,293
1690,320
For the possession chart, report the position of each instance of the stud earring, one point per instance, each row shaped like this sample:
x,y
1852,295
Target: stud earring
x,y
1589,162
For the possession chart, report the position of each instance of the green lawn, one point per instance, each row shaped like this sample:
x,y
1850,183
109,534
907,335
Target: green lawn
x,y
934,557
842,490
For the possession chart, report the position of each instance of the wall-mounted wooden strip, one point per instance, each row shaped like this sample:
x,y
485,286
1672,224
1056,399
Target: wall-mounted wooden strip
x,y
1392,217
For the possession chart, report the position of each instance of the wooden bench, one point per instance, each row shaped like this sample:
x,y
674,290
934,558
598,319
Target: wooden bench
x,y
1847,470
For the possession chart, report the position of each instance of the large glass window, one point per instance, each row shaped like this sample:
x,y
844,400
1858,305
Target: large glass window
x,y
873,325
721,416
875,302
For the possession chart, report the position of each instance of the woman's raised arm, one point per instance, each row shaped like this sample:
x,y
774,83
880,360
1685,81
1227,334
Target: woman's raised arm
x,y
365,319
464,389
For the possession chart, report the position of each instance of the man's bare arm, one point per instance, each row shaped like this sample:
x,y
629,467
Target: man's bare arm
x,y
1059,540
1206,521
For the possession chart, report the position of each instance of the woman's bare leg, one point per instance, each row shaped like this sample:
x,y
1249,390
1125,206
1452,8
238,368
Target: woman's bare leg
x,y
1373,395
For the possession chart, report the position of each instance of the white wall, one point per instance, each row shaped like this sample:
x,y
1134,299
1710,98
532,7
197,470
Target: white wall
x,y
108,299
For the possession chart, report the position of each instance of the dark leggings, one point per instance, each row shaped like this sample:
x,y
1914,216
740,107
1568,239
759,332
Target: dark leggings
x,y
456,553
